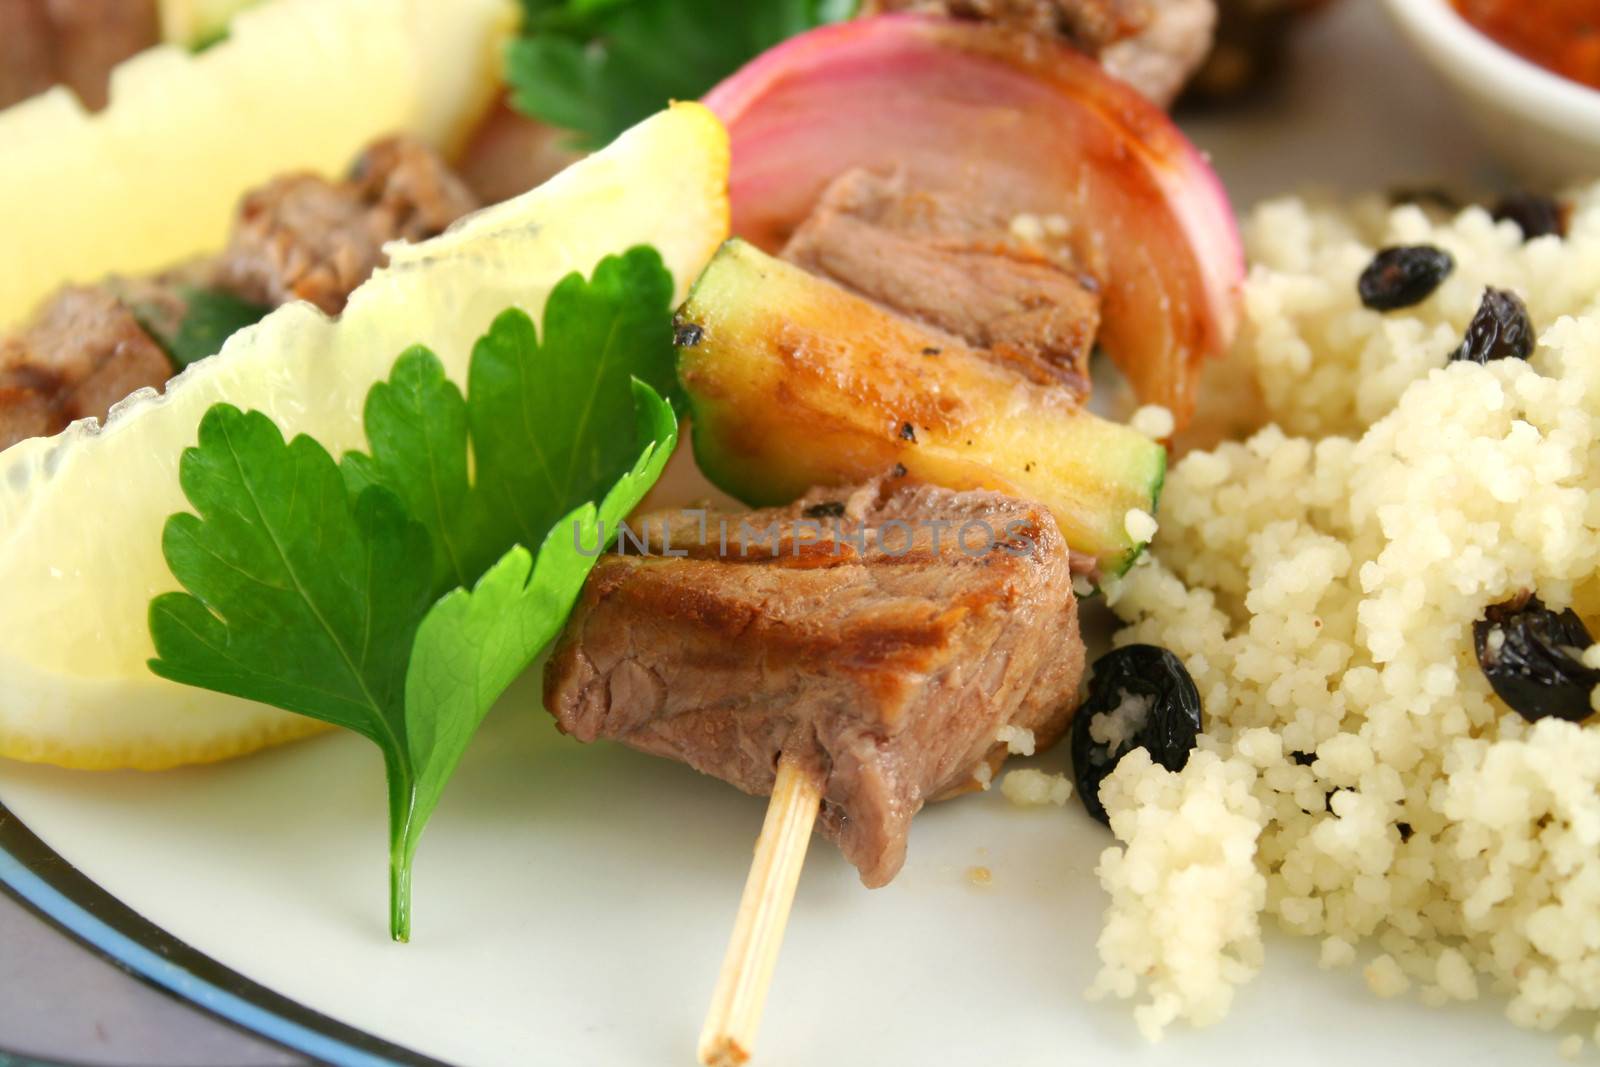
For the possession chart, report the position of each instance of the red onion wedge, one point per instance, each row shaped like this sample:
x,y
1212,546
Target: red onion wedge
x,y
1012,121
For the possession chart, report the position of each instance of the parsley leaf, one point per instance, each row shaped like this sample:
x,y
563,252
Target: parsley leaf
x,y
210,317
597,67
310,596
315,586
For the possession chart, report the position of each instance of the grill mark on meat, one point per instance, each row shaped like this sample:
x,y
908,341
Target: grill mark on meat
x,y
952,265
893,672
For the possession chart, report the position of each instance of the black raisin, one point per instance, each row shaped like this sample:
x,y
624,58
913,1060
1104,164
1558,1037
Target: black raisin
x,y
1171,720
1530,655
1500,329
828,509
1402,276
687,334
1535,215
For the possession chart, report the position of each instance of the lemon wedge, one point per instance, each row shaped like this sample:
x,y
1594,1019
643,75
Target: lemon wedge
x,y
297,85
81,513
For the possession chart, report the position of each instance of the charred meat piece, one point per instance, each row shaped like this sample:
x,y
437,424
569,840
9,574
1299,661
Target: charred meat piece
x,y
1160,59
947,264
83,352
302,237
27,50
75,42
1154,45
510,153
837,630
1090,25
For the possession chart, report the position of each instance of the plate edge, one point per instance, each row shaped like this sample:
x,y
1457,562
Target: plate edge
x,y
44,882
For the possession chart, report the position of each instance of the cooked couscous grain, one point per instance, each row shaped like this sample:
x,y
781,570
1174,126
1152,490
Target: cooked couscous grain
x,y
1029,788
1358,781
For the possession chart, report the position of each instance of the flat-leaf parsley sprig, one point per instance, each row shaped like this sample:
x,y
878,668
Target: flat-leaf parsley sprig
x,y
597,67
393,594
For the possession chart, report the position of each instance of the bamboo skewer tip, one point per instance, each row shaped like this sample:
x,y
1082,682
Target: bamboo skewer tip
x,y
731,1023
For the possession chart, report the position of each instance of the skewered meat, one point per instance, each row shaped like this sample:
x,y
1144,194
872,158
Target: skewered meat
x,y
510,153
1154,45
1090,25
302,237
1159,59
854,629
297,237
75,42
84,352
939,259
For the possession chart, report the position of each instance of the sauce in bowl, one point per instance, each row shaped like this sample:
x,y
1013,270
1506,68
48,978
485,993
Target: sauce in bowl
x,y
1560,35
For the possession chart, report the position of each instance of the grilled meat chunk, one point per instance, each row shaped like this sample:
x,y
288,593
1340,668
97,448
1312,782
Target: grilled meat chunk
x,y
75,42
302,237
854,628
1090,25
1154,45
1159,59
83,352
950,265
299,237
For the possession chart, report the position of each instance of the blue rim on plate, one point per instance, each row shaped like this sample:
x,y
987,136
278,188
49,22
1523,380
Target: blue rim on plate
x,y
42,880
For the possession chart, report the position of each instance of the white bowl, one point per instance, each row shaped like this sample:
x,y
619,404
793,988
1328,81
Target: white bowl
x,y
1543,126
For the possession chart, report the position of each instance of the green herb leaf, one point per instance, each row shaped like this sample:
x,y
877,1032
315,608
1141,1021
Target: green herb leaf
x,y
471,646
417,426
212,316
317,589
545,420
305,597
597,67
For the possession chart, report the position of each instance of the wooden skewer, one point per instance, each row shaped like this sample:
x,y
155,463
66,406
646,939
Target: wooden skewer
x,y
735,1014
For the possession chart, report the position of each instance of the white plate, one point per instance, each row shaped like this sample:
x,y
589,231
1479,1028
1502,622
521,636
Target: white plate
x,y
572,902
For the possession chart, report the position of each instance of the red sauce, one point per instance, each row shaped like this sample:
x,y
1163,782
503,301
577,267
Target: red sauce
x,y
1559,35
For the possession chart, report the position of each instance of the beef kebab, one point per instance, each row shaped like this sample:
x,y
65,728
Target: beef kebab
x,y
926,305
863,650
882,636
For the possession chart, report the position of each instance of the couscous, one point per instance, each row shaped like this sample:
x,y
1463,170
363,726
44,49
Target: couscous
x,y
1357,780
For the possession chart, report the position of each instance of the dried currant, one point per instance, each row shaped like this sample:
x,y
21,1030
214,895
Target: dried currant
x,y
1143,697
1500,329
1532,658
1402,276
1535,215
